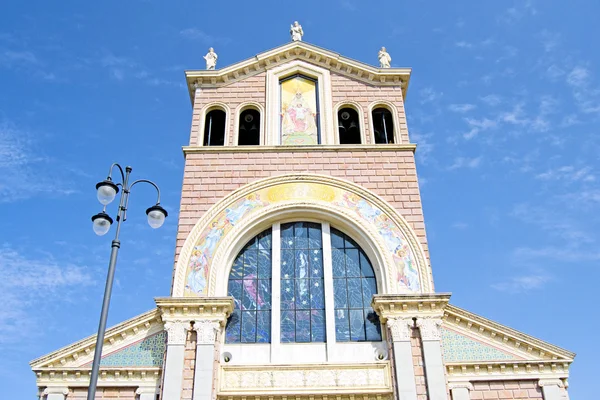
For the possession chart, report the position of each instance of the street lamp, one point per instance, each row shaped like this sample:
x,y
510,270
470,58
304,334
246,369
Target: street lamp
x,y
107,191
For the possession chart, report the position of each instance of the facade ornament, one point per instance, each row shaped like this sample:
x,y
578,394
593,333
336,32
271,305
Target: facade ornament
x,y
206,331
56,390
459,385
211,59
296,32
431,328
384,58
551,382
176,332
401,328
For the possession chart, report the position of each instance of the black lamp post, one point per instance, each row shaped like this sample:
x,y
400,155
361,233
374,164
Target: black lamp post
x,y
107,190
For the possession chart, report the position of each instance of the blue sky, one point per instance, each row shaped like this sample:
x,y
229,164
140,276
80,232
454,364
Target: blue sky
x,y
504,103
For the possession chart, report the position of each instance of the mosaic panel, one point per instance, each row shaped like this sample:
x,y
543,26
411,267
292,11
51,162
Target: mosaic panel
x,y
457,347
145,353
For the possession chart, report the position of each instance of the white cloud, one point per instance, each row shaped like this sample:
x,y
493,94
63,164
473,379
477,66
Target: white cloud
x,y
348,5
460,225
424,146
428,95
10,58
568,173
558,254
578,76
522,283
549,40
554,72
461,108
478,125
463,44
556,224
465,162
201,36
491,100
27,283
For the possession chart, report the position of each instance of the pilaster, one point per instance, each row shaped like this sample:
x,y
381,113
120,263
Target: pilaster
x,y
399,312
551,388
205,315
460,390
55,393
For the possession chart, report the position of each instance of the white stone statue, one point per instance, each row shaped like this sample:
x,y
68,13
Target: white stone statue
x,y
296,32
211,59
384,58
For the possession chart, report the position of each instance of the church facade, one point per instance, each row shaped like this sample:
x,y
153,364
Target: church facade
x,y
302,269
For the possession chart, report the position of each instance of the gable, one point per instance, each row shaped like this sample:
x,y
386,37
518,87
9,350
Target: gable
x,y
148,352
457,347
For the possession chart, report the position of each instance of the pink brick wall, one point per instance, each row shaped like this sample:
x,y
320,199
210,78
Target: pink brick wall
x,y
418,364
104,393
189,364
208,177
510,390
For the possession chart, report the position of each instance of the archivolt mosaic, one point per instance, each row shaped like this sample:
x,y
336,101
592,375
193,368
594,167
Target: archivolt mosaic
x,y
196,278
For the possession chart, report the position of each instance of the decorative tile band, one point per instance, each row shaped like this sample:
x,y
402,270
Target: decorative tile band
x,y
457,347
148,352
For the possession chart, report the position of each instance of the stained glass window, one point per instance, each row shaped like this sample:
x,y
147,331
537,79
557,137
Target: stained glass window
x,y
302,292
354,285
250,286
299,111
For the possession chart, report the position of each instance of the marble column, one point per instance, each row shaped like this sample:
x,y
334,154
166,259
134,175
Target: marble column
x,y
460,390
173,370
55,393
206,331
430,328
551,388
147,392
401,331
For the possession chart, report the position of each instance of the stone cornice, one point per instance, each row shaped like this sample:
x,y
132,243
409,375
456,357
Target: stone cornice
x,y
109,376
503,336
507,370
298,51
281,149
187,309
410,305
113,338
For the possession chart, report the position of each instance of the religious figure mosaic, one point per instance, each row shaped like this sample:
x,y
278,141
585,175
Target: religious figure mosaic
x,y
299,117
196,278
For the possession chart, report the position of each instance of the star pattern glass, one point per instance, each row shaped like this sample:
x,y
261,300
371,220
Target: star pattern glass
x,y
302,292
354,285
250,287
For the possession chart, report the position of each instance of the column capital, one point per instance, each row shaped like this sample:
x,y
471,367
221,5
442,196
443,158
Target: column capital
x,y
56,390
459,385
431,328
176,331
551,382
195,308
147,390
206,331
410,305
401,328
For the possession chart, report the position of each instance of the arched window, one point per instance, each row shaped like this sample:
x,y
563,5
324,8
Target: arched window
x,y
249,128
303,277
250,286
348,126
214,128
383,125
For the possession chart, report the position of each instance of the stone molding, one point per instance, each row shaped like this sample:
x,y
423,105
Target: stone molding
x,y
308,379
195,309
147,390
56,390
176,332
206,331
122,335
499,335
220,258
307,148
400,328
108,377
331,61
510,370
430,328
410,305
551,382
457,385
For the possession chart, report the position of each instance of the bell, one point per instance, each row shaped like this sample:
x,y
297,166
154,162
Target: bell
x,y
341,127
353,125
254,128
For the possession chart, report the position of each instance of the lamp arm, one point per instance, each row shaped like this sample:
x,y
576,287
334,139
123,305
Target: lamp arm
x,y
120,170
151,183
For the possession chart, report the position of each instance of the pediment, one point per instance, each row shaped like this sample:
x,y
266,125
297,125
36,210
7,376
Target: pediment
x,y
137,342
307,52
469,338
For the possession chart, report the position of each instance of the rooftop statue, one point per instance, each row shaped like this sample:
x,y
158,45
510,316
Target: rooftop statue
x,y
211,59
384,58
296,32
